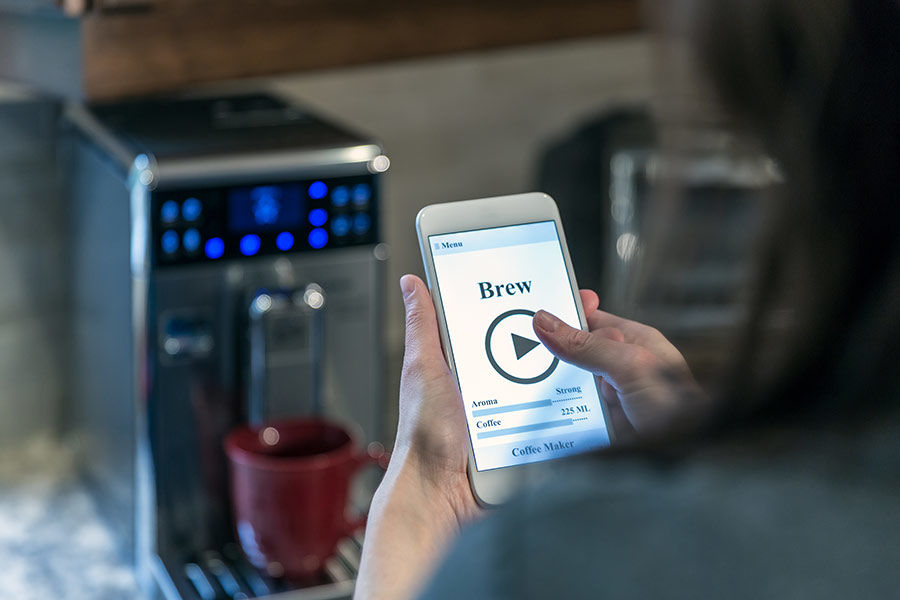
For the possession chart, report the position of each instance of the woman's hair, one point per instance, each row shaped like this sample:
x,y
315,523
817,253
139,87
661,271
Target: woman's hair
x,y
817,84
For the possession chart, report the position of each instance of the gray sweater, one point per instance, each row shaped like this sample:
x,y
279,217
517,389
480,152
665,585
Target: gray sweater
x,y
771,515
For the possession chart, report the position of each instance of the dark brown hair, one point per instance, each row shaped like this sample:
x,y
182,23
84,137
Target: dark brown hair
x,y
818,85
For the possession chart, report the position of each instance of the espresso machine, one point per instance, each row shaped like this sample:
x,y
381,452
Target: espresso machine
x,y
226,268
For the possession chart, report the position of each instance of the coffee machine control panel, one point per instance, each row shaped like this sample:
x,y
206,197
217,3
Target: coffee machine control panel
x,y
245,221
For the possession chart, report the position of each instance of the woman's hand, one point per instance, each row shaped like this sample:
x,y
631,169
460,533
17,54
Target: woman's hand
x,y
645,380
432,431
425,494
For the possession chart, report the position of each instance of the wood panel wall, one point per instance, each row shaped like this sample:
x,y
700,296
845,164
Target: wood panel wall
x,y
163,45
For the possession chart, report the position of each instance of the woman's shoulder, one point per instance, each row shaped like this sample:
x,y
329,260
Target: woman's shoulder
x,y
763,516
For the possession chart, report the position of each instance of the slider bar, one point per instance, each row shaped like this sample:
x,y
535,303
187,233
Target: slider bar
x,y
483,412
524,428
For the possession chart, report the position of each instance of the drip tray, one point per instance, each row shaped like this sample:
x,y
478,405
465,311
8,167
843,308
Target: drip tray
x,y
226,574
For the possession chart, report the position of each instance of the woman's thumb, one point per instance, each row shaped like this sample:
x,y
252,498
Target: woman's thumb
x,y
422,337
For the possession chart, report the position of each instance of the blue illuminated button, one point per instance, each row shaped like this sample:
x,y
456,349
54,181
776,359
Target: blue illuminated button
x,y
266,204
191,209
340,225
317,217
340,196
168,212
169,242
361,223
191,240
318,238
362,193
285,241
214,248
318,190
250,244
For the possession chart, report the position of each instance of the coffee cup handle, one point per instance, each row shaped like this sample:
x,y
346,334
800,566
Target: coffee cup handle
x,y
375,455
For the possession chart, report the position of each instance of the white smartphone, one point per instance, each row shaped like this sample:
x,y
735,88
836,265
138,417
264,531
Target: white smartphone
x,y
491,264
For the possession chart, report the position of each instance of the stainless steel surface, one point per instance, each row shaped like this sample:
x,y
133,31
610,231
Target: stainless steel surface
x,y
162,350
717,211
229,168
106,325
197,401
107,143
274,166
705,206
287,343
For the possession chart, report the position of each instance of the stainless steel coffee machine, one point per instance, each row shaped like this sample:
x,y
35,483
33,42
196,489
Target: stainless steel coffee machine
x,y
226,267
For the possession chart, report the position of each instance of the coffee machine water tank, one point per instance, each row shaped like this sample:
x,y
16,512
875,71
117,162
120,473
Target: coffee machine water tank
x,y
227,268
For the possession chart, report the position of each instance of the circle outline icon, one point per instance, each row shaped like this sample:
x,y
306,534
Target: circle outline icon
x,y
490,355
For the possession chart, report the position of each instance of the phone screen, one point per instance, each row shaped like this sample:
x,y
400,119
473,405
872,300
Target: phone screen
x,y
522,404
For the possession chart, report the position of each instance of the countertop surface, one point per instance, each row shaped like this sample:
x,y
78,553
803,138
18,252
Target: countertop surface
x,y
53,542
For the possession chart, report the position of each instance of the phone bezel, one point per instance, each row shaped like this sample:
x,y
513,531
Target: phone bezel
x,y
493,487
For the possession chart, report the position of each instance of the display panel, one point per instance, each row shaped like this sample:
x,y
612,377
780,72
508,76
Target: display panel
x,y
522,404
264,207
243,222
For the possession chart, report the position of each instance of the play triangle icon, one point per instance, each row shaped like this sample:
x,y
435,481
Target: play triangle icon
x,y
523,345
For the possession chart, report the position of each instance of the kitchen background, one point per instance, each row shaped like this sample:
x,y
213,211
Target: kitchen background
x,y
456,125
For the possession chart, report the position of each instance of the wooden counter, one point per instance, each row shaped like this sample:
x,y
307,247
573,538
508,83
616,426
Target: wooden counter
x,y
119,48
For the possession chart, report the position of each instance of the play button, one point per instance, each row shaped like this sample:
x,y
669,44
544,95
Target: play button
x,y
525,360
523,346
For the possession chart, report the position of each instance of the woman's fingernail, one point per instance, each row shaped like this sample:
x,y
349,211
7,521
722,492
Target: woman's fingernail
x,y
407,286
545,321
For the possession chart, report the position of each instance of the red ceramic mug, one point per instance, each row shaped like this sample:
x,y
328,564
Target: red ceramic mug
x,y
290,482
